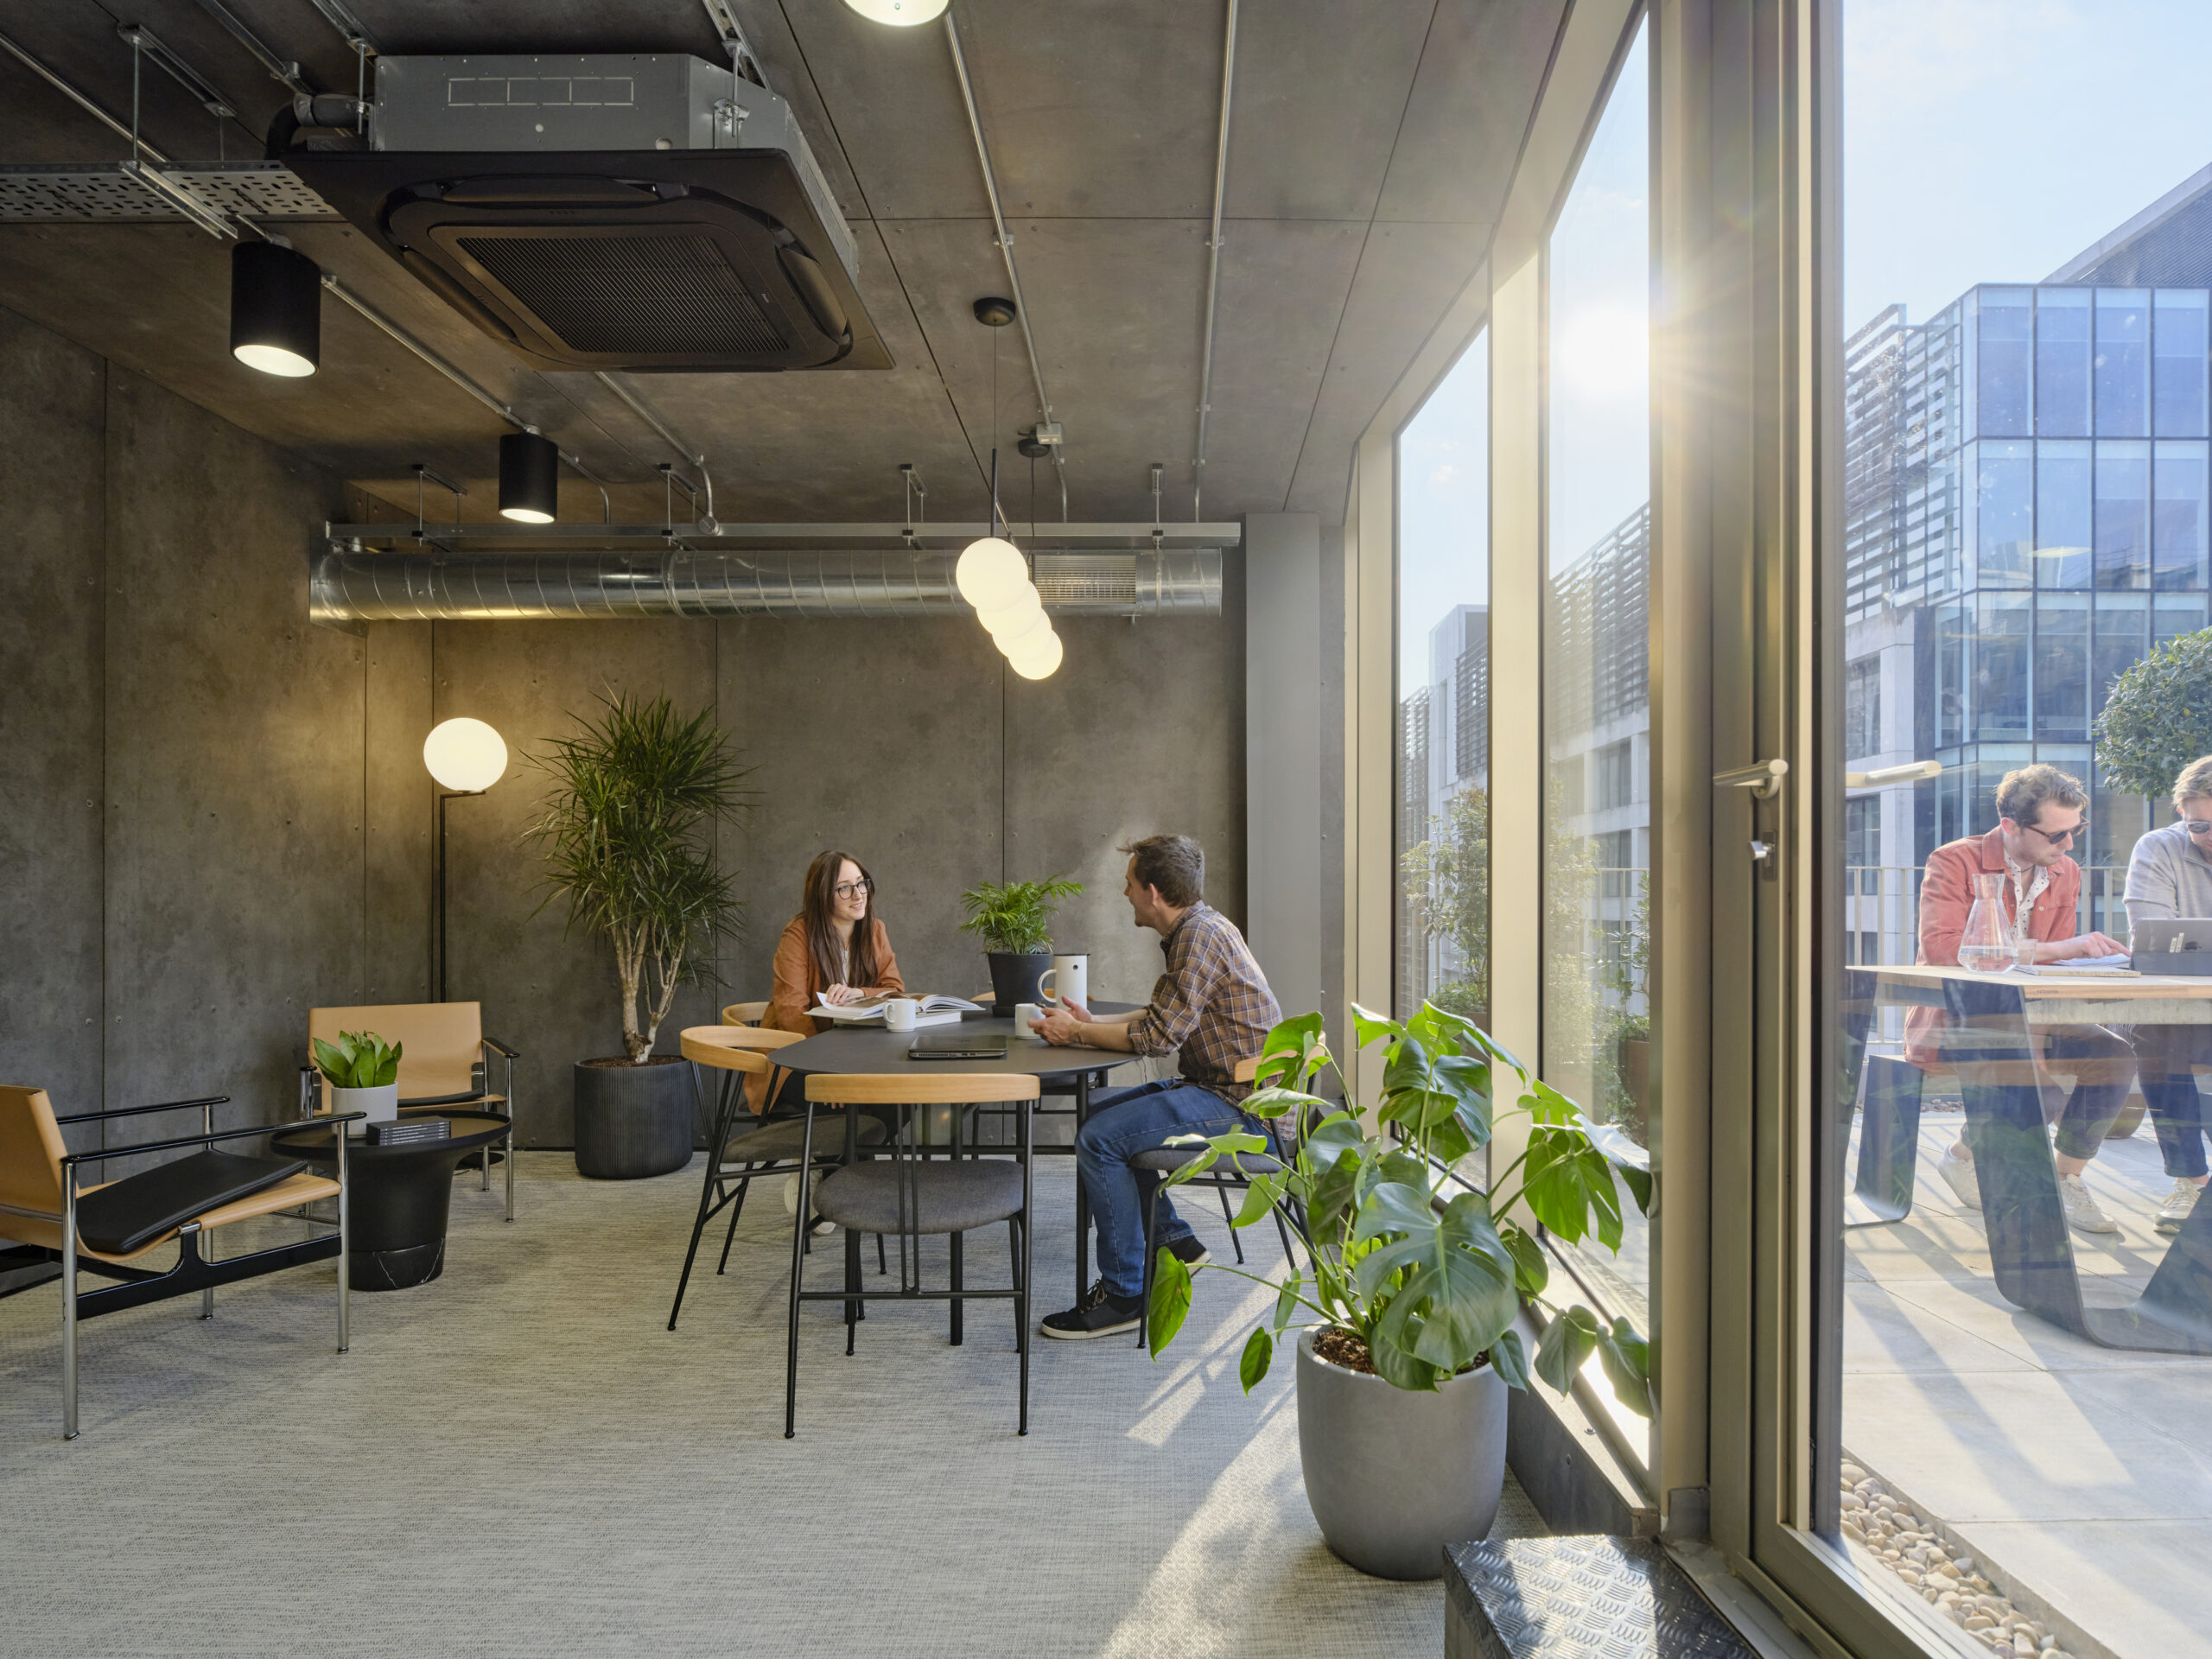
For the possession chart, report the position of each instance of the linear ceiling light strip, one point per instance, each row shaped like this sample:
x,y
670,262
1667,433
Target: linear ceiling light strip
x,y
1006,248
1213,262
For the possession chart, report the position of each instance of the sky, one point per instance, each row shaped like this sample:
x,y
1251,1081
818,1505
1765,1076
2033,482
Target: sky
x,y
1983,141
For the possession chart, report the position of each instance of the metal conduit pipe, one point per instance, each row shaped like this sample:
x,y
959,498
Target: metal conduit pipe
x,y
77,95
398,333
1006,250
1213,262
691,458
345,586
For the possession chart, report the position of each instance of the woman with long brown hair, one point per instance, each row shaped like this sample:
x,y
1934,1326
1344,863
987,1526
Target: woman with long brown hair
x,y
835,950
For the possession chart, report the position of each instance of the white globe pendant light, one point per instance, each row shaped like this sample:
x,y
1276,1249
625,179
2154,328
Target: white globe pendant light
x,y
1039,662
467,756
1015,617
899,13
1024,638
991,574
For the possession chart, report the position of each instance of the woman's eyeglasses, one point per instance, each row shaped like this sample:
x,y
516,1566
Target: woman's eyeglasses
x,y
854,889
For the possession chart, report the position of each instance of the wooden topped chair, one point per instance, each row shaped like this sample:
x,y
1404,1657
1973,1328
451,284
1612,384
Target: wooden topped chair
x,y
107,1228
745,1013
445,1060
911,1195
742,1147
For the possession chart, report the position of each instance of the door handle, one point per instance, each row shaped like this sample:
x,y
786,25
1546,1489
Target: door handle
x,y
1763,779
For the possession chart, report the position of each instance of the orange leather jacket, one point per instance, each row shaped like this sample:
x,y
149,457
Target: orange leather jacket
x,y
1947,897
795,993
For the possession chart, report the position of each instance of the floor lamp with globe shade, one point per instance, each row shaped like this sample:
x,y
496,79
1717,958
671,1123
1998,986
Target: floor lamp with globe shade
x,y
464,757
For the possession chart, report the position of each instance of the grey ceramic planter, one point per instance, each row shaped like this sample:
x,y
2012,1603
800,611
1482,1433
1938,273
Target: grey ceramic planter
x,y
1393,1476
633,1120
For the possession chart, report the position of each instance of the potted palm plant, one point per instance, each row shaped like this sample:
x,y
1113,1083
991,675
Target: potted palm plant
x,y
1414,1281
1014,922
628,837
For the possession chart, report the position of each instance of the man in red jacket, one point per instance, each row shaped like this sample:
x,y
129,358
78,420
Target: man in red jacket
x,y
2040,811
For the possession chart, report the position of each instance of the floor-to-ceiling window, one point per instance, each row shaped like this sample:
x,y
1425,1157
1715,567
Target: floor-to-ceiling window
x,y
2017,1367
1597,993
1442,938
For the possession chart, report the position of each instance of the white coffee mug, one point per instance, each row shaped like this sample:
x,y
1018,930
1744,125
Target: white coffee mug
x,y
899,1013
1023,1013
1068,980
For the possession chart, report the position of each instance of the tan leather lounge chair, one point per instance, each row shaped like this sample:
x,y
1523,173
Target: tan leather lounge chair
x,y
109,1227
442,1045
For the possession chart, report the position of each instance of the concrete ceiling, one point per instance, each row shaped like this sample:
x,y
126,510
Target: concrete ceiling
x,y
1372,146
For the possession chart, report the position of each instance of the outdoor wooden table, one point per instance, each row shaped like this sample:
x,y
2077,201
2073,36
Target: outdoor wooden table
x,y
1989,1035
872,1049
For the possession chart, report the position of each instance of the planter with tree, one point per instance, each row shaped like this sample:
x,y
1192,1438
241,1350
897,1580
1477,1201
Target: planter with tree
x,y
1014,922
1414,1282
627,837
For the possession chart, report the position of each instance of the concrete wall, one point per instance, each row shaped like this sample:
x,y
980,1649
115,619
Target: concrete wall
x,y
218,816
185,855
1282,746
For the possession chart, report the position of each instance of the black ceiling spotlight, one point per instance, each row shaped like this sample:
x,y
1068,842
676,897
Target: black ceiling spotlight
x,y
276,309
530,477
995,314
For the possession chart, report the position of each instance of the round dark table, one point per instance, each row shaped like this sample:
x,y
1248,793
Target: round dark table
x,y
396,1213
876,1051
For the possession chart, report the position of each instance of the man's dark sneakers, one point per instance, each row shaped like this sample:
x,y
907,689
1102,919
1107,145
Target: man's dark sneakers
x,y
1189,1251
1100,1314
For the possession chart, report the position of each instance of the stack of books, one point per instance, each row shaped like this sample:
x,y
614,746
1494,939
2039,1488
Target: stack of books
x,y
406,1131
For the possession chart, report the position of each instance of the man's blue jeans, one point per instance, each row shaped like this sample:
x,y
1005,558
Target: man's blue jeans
x,y
1120,1125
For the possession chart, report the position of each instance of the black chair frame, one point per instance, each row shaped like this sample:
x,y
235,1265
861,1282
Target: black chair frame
x,y
911,1157
727,1182
194,1271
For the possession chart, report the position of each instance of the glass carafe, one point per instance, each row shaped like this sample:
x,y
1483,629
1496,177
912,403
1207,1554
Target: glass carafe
x,y
1987,946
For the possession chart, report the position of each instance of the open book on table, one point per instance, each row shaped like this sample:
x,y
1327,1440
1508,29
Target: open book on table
x,y
936,1010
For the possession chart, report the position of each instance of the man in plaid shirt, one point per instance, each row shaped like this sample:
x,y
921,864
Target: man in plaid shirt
x,y
1211,1004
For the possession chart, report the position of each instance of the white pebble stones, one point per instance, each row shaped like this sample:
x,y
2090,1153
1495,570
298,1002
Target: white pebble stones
x,y
1949,1582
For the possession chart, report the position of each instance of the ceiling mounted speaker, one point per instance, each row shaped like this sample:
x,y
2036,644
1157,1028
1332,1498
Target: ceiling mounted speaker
x,y
276,309
529,478
899,13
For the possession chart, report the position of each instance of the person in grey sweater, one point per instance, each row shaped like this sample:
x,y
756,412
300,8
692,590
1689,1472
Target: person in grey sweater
x,y
2170,875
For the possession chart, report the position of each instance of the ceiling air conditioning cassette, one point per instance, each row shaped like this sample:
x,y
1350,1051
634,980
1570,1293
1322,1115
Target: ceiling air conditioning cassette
x,y
646,212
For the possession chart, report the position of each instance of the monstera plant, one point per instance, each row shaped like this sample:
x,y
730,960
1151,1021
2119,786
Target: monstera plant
x,y
1415,1278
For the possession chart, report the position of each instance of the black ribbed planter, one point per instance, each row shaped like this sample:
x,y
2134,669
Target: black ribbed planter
x,y
1013,979
633,1120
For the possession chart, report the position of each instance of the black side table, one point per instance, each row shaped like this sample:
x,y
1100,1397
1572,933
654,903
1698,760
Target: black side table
x,y
401,1195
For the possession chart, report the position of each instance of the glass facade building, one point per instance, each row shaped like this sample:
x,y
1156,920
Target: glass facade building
x,y
2026,501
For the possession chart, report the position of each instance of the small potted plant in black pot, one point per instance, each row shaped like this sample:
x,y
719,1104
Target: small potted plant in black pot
x,y
1014,921
628,838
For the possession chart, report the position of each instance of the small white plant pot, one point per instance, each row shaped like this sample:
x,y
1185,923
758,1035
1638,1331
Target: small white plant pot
x,y
382,1105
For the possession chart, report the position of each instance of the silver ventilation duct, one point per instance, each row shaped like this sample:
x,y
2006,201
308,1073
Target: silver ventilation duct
x,y
347,586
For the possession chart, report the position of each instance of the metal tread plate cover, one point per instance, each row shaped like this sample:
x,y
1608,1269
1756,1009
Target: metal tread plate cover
x,y
1581,1597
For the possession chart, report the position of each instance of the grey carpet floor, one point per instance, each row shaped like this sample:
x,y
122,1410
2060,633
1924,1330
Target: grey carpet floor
x,y
519,1458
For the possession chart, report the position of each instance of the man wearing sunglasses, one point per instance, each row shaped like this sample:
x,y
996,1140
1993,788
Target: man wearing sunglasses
x,y
2042,814
2170,877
